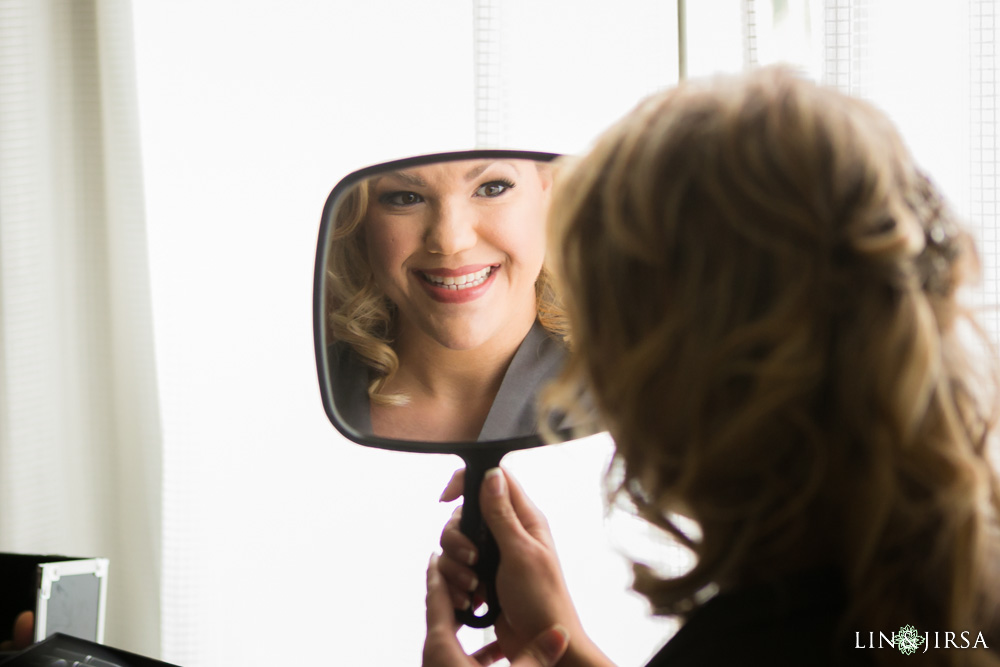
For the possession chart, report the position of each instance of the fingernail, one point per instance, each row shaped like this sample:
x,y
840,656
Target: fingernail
x,y
494,481
471,584
432,569
470,556
554,640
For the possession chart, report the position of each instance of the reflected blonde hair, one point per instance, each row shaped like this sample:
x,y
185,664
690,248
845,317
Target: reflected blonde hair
x,y
761,286
359,313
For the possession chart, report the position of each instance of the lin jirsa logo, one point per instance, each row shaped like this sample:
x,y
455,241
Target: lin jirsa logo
x,y
908,640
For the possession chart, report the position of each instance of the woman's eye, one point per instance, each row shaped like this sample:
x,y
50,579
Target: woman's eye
x,y
401,198
493,188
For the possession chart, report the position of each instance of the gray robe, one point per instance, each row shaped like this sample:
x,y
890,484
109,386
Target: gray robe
x,y
538,359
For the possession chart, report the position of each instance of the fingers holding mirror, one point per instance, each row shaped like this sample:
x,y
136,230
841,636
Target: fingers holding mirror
x,y
436,317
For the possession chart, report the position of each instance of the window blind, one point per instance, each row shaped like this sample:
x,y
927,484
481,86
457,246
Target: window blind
x,y
486,63
845,50
983,151
749,24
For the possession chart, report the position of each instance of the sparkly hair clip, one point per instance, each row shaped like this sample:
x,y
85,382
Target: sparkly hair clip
x,y
941,234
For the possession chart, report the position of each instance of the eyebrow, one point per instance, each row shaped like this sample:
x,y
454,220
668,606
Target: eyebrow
x,y
478,169
406,177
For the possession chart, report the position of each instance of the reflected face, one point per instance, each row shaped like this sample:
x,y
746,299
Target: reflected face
x,y
457,246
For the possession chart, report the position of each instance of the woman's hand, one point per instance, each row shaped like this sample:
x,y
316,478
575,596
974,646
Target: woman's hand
x,y
442,649
530,585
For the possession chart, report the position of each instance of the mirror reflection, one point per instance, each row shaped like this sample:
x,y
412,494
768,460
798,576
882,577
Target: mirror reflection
x,y
442,322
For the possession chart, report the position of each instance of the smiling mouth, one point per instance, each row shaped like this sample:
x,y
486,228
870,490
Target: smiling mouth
x,y
458,283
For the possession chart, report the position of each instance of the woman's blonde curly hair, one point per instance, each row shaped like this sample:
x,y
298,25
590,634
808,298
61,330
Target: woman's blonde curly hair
x,y
761,286
359,313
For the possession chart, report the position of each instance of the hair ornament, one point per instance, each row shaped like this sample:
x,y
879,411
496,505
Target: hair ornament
x,y
941,236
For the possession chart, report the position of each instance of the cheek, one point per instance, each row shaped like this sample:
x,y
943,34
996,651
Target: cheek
x,y
523,238
387,248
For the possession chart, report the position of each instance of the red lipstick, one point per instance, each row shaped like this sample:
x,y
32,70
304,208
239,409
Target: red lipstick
x,y
459,285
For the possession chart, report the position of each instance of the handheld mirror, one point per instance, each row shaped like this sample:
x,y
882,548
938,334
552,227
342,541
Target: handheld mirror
x,y
436,323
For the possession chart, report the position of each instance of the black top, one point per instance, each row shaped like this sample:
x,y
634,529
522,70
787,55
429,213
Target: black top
x,y
789,622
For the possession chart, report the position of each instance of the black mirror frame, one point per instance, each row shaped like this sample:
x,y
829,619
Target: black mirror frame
x,y
478,456
460,448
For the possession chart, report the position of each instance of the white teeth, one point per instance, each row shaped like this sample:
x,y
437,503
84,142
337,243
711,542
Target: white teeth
x,y
459,282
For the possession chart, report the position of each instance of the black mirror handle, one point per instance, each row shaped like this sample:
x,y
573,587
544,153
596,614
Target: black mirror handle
x,y
473,527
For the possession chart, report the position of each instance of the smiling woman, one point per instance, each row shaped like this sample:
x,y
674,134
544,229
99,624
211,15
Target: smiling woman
x,y
442,321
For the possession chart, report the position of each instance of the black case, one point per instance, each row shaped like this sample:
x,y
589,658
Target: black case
x,y
68,595
61,650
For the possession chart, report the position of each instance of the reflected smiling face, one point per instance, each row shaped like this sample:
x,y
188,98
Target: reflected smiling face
x,y
457,247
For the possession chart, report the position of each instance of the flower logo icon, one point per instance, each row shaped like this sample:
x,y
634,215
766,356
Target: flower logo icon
x,y
908,640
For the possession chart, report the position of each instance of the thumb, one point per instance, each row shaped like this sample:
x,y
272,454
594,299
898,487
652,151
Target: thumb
x,y
498,511
545,649
24,629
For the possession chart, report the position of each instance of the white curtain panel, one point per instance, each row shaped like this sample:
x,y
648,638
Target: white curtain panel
x,y
79,422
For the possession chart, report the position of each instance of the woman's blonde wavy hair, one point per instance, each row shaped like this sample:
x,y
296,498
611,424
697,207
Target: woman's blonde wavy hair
x,y
360,314
761,286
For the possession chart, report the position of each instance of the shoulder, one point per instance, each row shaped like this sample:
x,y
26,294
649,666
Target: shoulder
x,y
537,360
540,348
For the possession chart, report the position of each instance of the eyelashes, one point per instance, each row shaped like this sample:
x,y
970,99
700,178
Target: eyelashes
x,y
406,198
400,199
494,188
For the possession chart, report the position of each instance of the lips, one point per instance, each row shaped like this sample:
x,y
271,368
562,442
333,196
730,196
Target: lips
x,y
459,285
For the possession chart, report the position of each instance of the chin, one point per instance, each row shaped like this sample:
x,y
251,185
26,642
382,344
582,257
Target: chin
x,y
464,337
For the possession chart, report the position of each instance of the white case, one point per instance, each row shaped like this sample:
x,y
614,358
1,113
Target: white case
x,y
71,598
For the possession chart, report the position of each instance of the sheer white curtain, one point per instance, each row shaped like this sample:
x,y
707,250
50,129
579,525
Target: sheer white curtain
x,y
79,416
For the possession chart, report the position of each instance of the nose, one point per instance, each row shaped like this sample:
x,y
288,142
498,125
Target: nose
x,y
450,230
